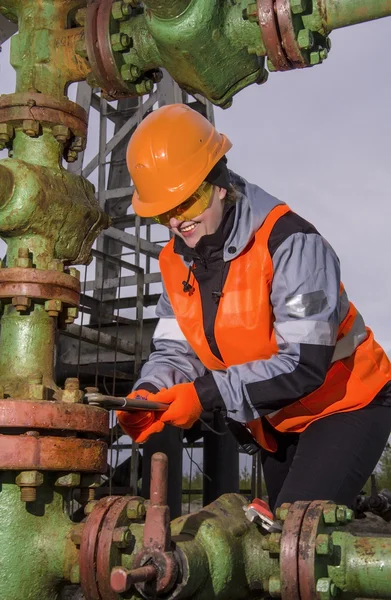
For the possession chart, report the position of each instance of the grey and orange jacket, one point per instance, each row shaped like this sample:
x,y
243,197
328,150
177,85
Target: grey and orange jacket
x,y
264,327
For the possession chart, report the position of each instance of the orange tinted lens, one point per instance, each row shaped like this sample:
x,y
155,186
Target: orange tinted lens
x,y
190,208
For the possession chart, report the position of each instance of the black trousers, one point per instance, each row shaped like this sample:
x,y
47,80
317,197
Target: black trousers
x,y
331,460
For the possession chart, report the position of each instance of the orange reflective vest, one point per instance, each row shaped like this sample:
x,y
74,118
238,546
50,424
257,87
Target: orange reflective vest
x,y
244,332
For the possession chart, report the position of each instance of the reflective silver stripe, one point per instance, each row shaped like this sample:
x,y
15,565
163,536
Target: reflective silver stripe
x,y
302,331
348,344
344,306
305,305
168,329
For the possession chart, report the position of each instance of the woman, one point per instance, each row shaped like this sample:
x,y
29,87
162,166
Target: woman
x,y
254,320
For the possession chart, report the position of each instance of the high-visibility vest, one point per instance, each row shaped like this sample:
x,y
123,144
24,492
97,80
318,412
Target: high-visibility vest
x,y
244,332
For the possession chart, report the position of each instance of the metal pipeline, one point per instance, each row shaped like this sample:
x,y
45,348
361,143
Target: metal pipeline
x,y
341,13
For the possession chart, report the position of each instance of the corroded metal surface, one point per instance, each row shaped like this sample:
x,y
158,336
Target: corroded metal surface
x,y
39,283
44,453
270,35
34,415
290,549
309,565
288,34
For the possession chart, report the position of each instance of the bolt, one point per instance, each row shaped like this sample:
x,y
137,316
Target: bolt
x,y
324,544
270,66
6,133
31,127
74,575
71,156
344,514
121,10
28,481
315,58
78,143
275,586
121,579
135,509
80,16
144,87
81,48
56,265
329,514
130,72
23,261
61,133
282,511
251,13
275,543
326,589
90,507
119,41
53,307
323,53
122,537
298,6
72,392
21,303
305,39
36,390
74,273
68,480
72,314
77,533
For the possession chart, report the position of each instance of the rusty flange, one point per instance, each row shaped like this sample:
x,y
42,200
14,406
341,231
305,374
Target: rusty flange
x,y
48,453
270,35
290,550
288,34
28,110
106,532
33,415
40,284
314,547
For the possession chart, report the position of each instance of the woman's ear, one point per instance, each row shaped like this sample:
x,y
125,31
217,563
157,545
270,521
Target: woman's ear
x,y
222,193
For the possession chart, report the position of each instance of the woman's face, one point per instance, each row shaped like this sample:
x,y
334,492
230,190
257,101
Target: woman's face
x,y
205,224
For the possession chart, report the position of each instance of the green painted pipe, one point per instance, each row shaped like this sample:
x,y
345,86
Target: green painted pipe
x,y
33,542
341,13
167,10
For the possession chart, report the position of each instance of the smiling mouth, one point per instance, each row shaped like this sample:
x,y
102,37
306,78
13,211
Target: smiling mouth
x,y
188,228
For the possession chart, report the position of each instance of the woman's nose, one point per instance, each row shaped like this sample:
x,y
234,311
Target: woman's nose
x,y
174,223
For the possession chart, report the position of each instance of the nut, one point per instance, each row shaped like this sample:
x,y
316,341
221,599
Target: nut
x,y
61,133
29,479
130,73
71,156
305,39
282,511
31,127
6,132
270,66
324,544
74,576
76,533
251,13
344,514
74,273
323,53
72,314
53,307
23,261
135,509
121,10
298,6
56,265
72,393
80,16
78,144
315,58
275,543
122,537
81,48
21,303
326,589
275,586
68,480
119,41
144,87
90,507
329,514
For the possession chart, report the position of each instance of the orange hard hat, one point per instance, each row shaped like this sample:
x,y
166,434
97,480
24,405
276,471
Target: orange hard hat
x,y
169,155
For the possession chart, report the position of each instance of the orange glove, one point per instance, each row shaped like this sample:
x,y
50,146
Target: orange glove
x,y
185,408
263,437
139,424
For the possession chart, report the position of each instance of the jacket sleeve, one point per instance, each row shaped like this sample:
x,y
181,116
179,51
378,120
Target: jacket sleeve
x,y
305,298
172,359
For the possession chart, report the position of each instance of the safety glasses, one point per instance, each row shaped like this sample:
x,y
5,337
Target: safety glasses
x,y
191,208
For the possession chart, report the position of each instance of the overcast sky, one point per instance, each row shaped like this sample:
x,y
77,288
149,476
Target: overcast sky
x,y
320,139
